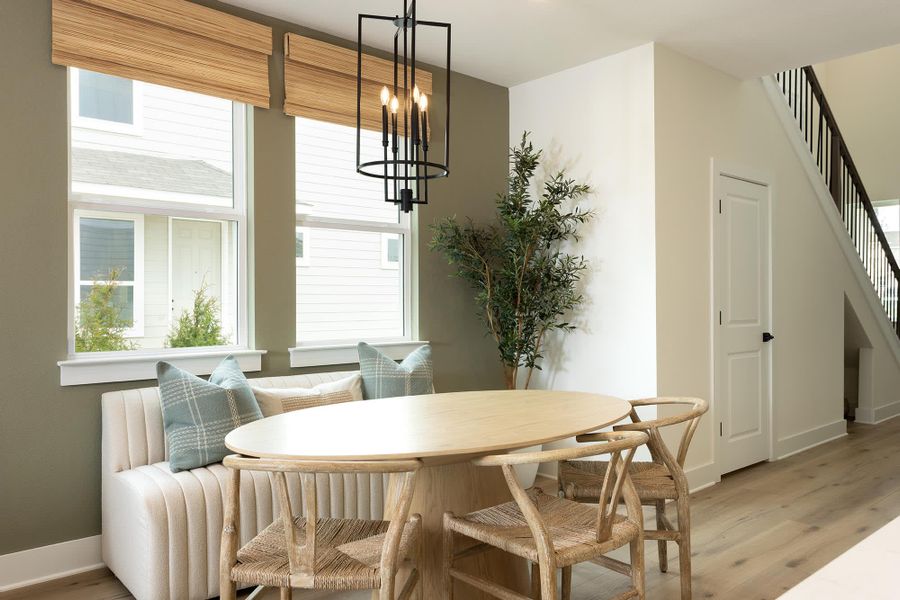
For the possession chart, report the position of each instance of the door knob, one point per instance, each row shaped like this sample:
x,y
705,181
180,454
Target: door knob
x,y
768,337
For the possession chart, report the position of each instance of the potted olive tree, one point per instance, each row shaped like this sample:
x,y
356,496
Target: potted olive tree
x,y
525,283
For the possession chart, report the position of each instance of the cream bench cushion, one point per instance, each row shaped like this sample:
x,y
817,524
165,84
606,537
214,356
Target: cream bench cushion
x,y
161,529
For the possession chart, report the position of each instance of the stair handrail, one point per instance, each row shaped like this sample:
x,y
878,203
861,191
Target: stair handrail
x,y
816,88
806,98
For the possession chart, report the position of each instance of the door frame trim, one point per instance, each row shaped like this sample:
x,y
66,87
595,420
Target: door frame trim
x,y
765,178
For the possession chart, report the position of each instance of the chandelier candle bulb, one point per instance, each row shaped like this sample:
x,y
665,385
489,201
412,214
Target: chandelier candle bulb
x,y
415,123
385,95
424,109
395,104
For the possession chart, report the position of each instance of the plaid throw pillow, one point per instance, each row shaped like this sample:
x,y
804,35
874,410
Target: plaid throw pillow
x,y
275,401
384,378
198,414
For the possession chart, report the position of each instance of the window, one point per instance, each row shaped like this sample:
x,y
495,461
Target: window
x,y
357,286
888,212
158,218
302,246
390,251
106,102
108,254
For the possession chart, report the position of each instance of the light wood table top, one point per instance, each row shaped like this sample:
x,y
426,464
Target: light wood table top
x,y
435,425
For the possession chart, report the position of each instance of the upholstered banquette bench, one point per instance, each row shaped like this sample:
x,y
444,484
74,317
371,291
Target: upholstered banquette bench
x,y
161,529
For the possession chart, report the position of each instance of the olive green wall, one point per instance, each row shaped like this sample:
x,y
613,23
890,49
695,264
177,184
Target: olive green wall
x,y
50,435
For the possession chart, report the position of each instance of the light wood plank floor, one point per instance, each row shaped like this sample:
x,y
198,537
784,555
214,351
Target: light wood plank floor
x,y
756,534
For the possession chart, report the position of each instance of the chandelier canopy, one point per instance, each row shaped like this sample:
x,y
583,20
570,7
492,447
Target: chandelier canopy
x,y
406,127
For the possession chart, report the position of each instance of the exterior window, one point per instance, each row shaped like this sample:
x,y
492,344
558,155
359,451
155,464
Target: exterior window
x,y
302,246
888,212
106,103
357,288
158,218
108,247
105,97
390,251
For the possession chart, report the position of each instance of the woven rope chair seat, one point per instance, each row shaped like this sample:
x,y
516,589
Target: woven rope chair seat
x,y
571,525
651,480
348,553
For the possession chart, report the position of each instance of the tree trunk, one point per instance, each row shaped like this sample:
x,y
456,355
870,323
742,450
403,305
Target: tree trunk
x,y
510,373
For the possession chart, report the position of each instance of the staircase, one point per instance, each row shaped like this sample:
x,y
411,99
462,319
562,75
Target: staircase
x,y
818,127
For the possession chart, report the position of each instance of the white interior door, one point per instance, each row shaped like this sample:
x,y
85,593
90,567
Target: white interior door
x,y
196,260
741,289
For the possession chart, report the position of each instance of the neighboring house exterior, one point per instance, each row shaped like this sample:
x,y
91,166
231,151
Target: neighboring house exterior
x,y
145,143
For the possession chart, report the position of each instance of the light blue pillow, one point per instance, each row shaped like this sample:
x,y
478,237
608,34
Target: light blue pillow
x,y
198,414
384,378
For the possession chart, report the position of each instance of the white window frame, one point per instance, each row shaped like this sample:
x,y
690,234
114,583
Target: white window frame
x,y
97,367
303,261
137,328
386,263
136,127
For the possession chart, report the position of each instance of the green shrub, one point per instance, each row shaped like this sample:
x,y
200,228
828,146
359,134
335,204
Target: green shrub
x,y
99,326
199,326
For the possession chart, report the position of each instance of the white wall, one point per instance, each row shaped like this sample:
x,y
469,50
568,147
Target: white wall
x,y
863,92
596,121
702,114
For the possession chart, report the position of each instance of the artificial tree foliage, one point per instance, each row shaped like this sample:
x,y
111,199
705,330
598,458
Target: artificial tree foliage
x,y
525,283
199,325
99,325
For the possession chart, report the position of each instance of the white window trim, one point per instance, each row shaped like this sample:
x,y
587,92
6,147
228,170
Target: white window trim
x,y
343,353
385,244
101,367
136,127
303,261
137,328
108,367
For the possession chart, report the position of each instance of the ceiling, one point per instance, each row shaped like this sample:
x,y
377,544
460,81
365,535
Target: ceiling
x,y
513,41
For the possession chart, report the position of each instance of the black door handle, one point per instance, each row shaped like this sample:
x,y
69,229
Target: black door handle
x,y
768,337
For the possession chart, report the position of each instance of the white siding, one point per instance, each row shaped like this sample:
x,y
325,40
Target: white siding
x,y
345,293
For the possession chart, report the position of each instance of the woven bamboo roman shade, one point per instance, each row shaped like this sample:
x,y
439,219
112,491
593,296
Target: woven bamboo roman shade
x,y
320,82
168,42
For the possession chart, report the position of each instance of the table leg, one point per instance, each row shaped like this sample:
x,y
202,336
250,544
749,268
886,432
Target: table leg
x,y
461,488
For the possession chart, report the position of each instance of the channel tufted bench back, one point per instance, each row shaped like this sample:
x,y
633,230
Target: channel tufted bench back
x,y
161,529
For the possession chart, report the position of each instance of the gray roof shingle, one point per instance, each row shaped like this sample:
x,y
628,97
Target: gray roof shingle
x,y
185,176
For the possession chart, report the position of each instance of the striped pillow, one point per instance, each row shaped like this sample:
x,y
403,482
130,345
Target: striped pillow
x,y
275,401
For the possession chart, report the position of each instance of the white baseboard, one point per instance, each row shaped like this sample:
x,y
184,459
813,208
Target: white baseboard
x,y
702,476
809,439
37,565
879,414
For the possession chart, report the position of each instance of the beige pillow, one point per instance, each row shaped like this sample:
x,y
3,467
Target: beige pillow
x,y
275,401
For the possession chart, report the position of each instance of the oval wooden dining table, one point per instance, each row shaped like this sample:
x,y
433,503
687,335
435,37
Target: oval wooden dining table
x,y
445,431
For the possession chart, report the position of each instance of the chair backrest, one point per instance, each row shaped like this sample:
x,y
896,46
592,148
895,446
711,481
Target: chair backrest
x,y
620,445
302,557
658,449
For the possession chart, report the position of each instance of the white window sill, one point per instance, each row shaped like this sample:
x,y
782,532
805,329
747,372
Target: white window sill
x,y
345,354
111,367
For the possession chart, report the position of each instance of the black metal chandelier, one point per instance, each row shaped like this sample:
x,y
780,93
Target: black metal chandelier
x,y
405,115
